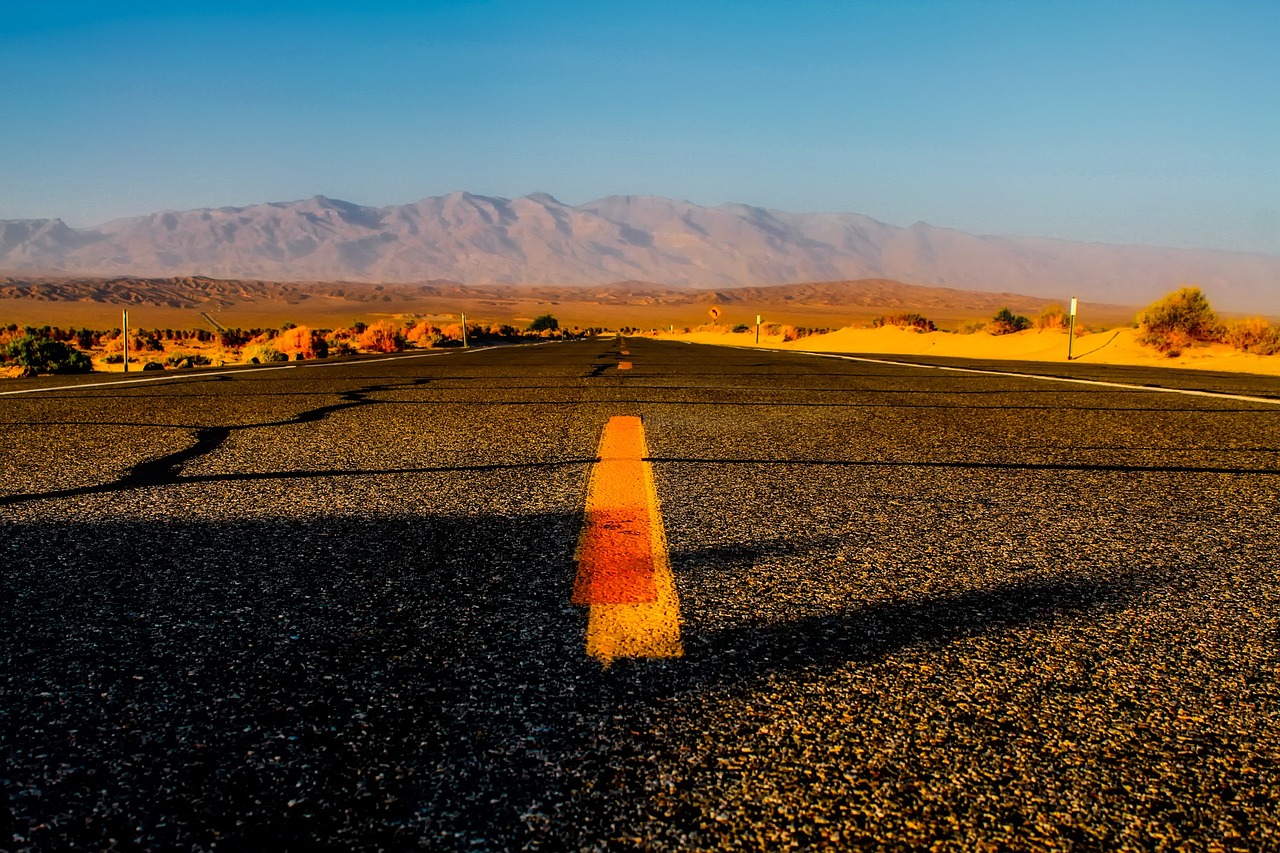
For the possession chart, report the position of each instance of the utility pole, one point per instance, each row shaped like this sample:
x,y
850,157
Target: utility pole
x,y
1071,333
124,336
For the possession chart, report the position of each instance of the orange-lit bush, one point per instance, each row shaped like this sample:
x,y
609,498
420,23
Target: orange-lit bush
x,y
301,341
1053,317
1253,335
381,337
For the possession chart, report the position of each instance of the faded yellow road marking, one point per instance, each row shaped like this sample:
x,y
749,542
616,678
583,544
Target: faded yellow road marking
x,y
624,365
624,573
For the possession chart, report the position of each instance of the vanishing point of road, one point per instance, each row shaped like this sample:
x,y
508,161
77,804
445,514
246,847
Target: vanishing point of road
x,y
339,605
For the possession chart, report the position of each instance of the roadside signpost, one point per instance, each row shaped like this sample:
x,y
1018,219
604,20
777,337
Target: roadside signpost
x,y
1071,332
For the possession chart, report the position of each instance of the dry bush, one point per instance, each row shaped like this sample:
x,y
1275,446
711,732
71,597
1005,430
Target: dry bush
x,y
1053,317
914,322
424,334
381,337
261,352
1177,321
301,342
1254,335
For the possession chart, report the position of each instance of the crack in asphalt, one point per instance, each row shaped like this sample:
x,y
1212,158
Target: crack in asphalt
x,y
167,469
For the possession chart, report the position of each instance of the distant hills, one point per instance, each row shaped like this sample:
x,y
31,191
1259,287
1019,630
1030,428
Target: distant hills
x,y
537,240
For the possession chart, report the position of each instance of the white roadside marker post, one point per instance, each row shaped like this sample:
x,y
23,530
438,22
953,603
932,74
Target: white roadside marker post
x,y
1071,333
464,330
757,330
124,336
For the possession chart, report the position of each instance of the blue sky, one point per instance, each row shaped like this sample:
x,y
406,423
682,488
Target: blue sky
x,y
1131,122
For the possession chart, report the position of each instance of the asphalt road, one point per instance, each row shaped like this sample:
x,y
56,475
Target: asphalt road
x,y
328,607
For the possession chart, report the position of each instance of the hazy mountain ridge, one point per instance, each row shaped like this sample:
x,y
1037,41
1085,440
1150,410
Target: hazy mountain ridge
x,y
537,240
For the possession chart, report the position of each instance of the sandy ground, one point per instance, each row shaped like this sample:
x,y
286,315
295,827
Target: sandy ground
x,y
1114,346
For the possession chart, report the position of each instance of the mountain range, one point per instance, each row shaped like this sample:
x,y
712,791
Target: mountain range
x,y
537,240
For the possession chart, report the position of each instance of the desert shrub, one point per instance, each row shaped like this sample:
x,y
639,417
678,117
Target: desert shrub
x,y
1177,321
147,342
301,342
153,365
261,352
1253,335
740,328
381,337
1005,322
233,338
115,358
46,356
423,333
1053,317
906,321
544,323
175,359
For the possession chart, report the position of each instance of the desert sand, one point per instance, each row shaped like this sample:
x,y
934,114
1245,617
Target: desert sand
x,y
1114,346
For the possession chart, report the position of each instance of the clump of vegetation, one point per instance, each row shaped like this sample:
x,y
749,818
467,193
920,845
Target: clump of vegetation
x,y
911,321
43,355
382,336
545,323
301,342
261,352
1005,322
1177,321
1053,318
1253,335
191,359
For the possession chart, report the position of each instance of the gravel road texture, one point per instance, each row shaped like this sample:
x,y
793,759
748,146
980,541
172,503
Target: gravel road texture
x,y
329,607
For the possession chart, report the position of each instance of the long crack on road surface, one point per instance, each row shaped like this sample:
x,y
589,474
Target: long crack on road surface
x,y
167,470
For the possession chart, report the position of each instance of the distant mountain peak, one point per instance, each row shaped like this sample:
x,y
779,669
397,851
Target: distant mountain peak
x,y
538,240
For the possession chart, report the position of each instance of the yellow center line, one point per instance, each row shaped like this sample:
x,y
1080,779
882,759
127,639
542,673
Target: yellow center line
x,y
624,365
624,572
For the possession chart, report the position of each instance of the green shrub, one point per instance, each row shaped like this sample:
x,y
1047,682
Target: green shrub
x,y
47,356
544,323
1005,322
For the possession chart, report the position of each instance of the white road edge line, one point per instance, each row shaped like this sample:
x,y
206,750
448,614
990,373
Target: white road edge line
x,y
185,375
1185,391
148,379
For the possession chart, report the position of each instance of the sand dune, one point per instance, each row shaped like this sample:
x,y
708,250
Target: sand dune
x,y
1115,346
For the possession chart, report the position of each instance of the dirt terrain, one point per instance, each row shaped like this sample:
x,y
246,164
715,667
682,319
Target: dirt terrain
x,y
199,302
